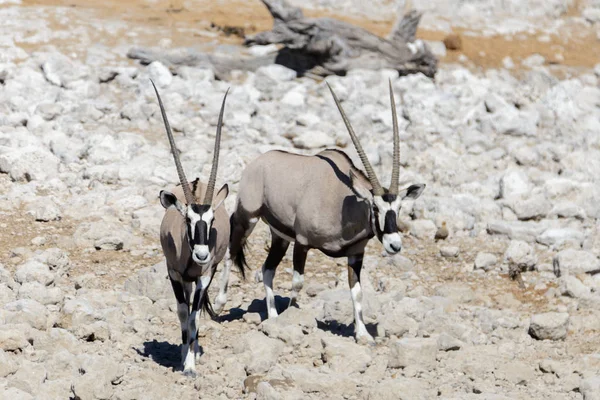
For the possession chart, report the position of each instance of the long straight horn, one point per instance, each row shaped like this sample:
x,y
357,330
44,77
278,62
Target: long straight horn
x,y
189,199
377,189
210,188
396,158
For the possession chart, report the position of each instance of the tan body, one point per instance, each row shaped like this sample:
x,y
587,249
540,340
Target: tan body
x,y
174,241
322,213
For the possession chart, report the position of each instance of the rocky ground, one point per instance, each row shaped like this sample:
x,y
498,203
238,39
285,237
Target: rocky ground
x,y
510,156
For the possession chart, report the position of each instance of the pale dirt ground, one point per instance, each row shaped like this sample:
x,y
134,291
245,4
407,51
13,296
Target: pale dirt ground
x,y
182,26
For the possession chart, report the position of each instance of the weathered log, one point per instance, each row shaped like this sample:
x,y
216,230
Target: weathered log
x,y
319,46
336,46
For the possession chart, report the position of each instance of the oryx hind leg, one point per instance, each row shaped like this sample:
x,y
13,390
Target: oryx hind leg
x,y
183,293
221,298
360,330
300,253
278,248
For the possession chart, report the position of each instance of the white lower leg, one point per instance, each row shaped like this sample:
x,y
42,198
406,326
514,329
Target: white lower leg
x,y
297,284
189,365
221,299
268,275
360,329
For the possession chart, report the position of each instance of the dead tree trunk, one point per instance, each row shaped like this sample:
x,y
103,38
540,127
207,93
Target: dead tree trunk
x,y
319,46
334,47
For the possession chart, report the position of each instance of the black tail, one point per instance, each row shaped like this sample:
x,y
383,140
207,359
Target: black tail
x,y
206,305
240,261
239,258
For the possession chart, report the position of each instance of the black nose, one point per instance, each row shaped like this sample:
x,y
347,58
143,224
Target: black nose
x,y
395,248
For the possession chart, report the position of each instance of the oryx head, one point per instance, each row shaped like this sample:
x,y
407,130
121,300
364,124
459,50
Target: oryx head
x,y
385,203
198,217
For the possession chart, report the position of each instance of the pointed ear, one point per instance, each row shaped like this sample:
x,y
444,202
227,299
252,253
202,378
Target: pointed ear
x,y
221,196
359,187
412,192
168,199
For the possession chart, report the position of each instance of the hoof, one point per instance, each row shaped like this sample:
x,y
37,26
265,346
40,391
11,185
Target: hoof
x,y
365,338
190,373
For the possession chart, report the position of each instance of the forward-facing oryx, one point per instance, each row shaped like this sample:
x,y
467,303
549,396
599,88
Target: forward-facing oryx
x,y
319,202
194,235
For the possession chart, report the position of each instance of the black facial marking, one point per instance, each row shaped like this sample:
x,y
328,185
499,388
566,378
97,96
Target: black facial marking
x,y
388,197
201,236
389,225
200,233
200,208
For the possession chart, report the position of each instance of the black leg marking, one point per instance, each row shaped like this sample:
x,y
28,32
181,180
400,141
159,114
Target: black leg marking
x,y
178,290
184,336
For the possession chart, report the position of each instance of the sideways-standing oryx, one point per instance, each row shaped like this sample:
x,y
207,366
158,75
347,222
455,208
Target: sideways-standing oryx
x,y
319,202
194,236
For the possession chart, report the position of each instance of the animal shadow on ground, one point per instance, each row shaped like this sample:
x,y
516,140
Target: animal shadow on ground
x,y
260,306
257,306
163,353
344,330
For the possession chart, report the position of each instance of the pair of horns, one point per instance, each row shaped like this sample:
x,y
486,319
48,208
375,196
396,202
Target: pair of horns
x,y
377,189
210,188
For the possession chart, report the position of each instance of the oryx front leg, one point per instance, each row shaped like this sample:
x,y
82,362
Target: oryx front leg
x,y
221,299
278,248
189,365
300,253
360,330
183,293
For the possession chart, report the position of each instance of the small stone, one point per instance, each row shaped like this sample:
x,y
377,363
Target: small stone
x,y
514,183
114,243
423,229
313,140
453,42
559,236
314,288
8,365
521,255
508,63
49,111
38,241
446,342
12,339
259,51
345,356
551,326
29,163
252,318
590,388
485,261
29,312
570,286
34,271
592,14
573,262
160,74
46,211
534,60
276,72
449,251
413,351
